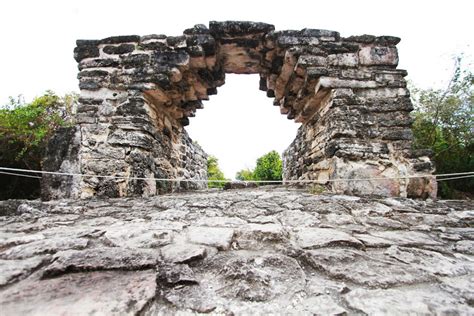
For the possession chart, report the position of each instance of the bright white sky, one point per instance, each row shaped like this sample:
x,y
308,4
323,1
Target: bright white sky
x,y
239,124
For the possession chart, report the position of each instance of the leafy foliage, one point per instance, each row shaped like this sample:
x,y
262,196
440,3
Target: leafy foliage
x,y
244,175
444,123
269,167
25,129
214,173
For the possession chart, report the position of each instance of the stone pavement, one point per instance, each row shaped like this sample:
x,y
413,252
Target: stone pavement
x,y
251,251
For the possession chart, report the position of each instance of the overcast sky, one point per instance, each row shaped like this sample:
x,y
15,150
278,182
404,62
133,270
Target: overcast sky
x,y
239,124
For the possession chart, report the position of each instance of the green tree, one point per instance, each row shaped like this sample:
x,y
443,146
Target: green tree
x,y
244,175
214,173
25,129
444,123
269,167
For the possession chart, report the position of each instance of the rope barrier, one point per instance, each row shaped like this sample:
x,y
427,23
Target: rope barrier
x,y
19,174
455,178
459,175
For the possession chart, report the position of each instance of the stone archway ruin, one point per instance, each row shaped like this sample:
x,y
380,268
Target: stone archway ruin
x,y
138,92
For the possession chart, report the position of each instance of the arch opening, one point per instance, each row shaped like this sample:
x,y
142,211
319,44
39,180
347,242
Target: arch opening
x,y
239,125
138,92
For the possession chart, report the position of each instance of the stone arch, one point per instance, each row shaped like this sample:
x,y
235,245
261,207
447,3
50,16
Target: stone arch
x,y
137,93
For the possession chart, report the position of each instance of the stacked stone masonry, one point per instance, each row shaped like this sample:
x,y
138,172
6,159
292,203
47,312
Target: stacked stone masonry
x,y
137,94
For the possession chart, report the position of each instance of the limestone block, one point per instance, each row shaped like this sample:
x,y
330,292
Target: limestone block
x,y
378,55
119,49
131,138
311,238
323,35
176,41
110,258
465,246
315,72
405,301
432,261
356,74
183,253
328,82
105,292
252,235
99,62
86,51
218,237
197,29
356,170
370,269
238,28
344,60
288,41
137,235
259,277
383,93
44,246
221,221
13,270
120,39
407,238
309,60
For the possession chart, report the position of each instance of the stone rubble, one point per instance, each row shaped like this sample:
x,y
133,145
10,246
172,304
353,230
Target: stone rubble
x,y
266,250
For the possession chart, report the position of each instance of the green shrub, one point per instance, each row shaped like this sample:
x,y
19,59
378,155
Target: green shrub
x,y
25,129
244,175
269,167
214,173
444,123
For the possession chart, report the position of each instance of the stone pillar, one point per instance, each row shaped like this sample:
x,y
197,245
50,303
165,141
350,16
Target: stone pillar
x,y
123,128
360,126
125,134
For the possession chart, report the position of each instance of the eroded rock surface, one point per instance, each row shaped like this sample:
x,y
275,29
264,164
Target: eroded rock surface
x,y
138,93
270,250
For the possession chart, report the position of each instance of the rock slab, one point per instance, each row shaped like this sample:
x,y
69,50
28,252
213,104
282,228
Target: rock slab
x,y
269,250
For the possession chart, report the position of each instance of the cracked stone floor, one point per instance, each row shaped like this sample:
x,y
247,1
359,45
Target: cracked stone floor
x,y
271,250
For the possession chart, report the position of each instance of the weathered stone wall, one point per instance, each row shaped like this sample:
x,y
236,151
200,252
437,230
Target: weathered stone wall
x,y
357,123
357,137
62,156
138,92
124,134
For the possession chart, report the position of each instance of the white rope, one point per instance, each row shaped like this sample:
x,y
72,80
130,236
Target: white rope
x,y
19,174
455,178
464,174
